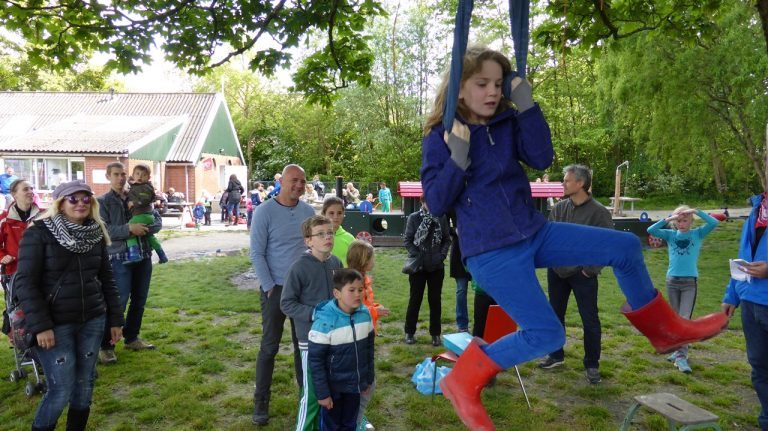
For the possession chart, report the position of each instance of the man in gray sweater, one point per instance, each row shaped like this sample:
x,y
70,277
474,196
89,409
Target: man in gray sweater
x,y
579,208
309,282
276,242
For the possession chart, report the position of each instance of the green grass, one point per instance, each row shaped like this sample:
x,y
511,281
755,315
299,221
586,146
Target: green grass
x,y
207,331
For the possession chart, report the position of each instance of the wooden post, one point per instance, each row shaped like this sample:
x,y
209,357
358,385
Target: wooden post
x,y
617,192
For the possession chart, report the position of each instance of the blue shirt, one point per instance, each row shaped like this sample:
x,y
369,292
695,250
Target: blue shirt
x,y
276,240
756,290
683,247
5,183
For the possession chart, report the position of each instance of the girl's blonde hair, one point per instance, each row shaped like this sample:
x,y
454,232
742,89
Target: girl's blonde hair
x,y
678,210
473,63
55,208
359,255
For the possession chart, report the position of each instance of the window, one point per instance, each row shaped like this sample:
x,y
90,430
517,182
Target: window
x,y
47,173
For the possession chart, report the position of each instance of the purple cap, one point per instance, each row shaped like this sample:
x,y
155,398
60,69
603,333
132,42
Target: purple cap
x,y
66,189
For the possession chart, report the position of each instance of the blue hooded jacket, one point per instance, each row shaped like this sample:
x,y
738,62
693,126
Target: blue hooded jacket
x,y
341,350
492,198
756,290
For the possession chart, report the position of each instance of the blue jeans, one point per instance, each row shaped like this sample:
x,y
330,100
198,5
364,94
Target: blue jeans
x,y
508,275
462,315
585,291
233,209
132,284
69,369
754,318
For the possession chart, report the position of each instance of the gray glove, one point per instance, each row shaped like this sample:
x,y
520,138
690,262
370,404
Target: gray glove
x,y
522,96
458,143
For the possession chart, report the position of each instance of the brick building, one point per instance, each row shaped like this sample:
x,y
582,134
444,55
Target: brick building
x,y
188,139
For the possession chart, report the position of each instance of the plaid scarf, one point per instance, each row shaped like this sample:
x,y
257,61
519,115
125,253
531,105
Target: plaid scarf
x,y
427,223
72,236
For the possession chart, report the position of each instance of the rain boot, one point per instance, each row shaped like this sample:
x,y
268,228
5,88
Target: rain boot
x,y
134,254
77,419
462,386
161,256
666,330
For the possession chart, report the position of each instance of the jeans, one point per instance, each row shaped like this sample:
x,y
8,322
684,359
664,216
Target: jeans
x,y
69,369
272,320
233,209
585,291
462,315
681,292
433,280
508,275
132,284
754,318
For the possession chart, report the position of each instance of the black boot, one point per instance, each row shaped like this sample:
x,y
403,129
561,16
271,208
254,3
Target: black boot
x,y
261,412
76,419
162,258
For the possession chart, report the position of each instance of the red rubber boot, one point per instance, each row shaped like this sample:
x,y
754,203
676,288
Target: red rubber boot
x,y
462,386
667,331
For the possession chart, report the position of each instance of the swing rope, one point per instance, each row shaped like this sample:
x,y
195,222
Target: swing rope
x,y
518,21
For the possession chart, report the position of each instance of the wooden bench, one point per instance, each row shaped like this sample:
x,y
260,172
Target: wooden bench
x,y
675,409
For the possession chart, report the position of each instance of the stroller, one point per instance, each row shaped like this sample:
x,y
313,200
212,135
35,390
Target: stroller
x,y
24,358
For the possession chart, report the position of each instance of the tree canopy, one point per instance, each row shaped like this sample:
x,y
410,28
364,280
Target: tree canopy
x,y
198,36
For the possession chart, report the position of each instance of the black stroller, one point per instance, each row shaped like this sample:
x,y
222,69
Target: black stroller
x,y
24,358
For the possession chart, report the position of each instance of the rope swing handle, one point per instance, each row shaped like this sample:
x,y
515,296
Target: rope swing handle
x,y
518,20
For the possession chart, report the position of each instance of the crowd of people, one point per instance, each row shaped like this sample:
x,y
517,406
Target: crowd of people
x,y
82,267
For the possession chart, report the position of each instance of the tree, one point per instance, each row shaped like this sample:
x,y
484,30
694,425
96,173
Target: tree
x,y
192,33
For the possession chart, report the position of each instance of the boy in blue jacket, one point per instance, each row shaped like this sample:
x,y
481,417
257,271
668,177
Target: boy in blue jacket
x,y
341,352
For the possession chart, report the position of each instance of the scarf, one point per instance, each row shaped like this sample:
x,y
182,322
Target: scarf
x,y
762,215
72,236
427,222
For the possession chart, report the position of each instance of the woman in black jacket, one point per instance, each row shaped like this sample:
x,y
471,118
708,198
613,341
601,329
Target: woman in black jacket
x,y
66,290
235,191
426,236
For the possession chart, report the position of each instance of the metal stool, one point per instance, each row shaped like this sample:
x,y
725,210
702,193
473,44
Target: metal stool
x,y
675,409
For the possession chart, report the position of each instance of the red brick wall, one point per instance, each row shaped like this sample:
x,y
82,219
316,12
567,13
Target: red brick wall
x,y
181,178
99,163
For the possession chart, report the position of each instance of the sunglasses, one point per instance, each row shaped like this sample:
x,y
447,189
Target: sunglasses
x,y
74,199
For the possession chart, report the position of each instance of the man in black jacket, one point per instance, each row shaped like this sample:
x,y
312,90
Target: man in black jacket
x,y
132,279
579,208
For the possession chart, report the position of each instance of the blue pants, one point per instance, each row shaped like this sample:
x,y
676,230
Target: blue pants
x,y
343,415
132,284
585,291
69,369
508,275
754,318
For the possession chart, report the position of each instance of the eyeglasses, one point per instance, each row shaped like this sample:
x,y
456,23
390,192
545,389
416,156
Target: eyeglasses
x,y
74,199
327,234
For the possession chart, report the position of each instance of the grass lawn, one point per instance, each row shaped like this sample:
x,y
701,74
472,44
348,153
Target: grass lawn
x,y
206,325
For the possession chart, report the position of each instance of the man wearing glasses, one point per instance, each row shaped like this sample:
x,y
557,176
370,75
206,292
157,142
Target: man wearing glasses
x,y
276,242
132,278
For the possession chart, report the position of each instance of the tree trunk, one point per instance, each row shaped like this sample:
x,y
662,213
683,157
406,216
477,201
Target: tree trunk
x,y
762,9
721,182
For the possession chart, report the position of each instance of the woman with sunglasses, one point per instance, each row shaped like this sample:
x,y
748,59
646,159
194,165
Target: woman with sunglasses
x,y
65,287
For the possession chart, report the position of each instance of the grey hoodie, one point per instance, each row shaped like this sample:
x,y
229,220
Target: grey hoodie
x,y
308,283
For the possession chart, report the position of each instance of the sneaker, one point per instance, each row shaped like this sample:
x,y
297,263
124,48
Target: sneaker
x,y
593,376
139,344
365,425
673,357
409,339
107,356
550,362
682,365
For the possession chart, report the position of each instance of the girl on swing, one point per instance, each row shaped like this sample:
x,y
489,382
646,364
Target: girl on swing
x,y
475,170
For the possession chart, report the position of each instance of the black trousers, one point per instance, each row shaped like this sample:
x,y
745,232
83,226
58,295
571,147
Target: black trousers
x,y
585,291
272,320
483,302
433,281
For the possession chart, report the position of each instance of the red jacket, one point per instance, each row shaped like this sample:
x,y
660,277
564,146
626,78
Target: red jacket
x,y
11,230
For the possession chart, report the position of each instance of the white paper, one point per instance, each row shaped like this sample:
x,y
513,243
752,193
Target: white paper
x,y
736,272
